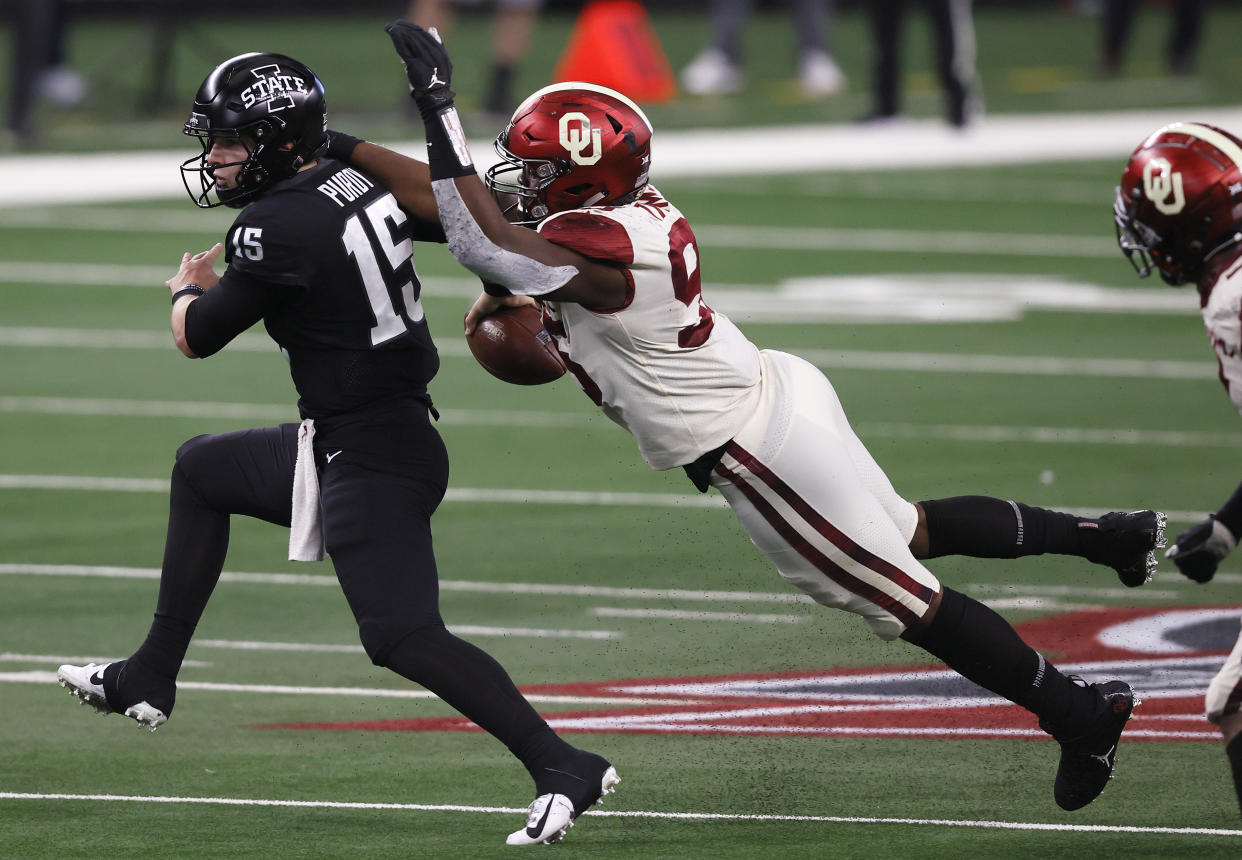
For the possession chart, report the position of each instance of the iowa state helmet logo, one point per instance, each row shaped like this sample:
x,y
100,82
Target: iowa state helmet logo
x,y
273,87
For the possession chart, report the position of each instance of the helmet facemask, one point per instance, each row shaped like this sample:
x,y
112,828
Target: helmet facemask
x,y
518,184
1135,238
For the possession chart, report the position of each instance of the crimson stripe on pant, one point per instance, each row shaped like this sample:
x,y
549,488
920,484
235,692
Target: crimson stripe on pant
x,y
825,565
834,535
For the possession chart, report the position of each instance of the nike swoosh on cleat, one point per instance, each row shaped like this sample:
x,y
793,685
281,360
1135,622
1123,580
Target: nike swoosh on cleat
x,y
533,832
97,678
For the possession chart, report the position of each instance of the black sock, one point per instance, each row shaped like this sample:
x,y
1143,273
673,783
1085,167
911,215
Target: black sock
x,y
473,683
1234,751
980,645
984,527
194,551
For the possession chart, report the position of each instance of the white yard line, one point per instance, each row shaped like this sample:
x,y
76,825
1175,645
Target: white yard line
x,y
1012,591
854,359
955,242
273,412
688,615
11,657
469,495
617,813
123,408
39,677
328,580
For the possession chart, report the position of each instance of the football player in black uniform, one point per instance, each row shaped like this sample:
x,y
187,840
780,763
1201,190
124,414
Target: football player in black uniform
x,y
321,253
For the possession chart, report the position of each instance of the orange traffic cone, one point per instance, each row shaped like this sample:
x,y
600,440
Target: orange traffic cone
x,y
614,45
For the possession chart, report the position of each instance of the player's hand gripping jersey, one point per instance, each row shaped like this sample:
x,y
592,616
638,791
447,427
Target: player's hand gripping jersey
x,y
677,375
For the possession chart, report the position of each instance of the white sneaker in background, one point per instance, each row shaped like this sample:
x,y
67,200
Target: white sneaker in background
x,y
711,73
820,75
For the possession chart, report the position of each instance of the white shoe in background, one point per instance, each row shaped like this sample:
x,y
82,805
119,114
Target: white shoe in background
x,y
711,73
820,75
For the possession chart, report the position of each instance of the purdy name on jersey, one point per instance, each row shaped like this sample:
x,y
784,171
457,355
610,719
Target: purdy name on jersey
x,y
678,376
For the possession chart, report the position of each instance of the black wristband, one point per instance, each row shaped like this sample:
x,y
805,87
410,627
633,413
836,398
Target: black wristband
x,y
188,290
1230,513
495,290
447,154
341,145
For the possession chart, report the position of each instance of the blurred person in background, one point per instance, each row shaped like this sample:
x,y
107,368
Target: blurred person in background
x,y
955,58
1179,212
39,70
1185,28
513,24
718,68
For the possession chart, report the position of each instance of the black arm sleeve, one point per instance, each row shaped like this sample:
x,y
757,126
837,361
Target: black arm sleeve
x,y
233,305
428,231
1230,513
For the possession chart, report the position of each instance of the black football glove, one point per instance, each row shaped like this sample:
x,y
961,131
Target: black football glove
x,y
427,65
1201,548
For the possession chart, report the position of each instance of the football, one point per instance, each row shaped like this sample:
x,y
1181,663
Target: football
x,y
512,345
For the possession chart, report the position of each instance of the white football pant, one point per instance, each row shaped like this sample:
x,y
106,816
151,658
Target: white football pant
x,y
810,496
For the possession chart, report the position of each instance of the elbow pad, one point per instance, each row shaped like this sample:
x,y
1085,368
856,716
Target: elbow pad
x,y
492,263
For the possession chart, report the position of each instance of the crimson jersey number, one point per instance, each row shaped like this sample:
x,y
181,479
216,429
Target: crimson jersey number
x,y
683,254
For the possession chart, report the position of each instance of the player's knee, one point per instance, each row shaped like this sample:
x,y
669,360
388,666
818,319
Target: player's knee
x,y
193,455
192,463
382,636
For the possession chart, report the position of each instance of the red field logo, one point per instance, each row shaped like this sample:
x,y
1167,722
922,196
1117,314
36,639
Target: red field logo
x,y
1167,655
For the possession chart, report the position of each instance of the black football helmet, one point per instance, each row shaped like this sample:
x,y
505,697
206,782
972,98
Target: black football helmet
x,y
267,101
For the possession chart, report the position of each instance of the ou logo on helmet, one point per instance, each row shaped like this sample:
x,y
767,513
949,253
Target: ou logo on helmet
x,y
1163,187
574,129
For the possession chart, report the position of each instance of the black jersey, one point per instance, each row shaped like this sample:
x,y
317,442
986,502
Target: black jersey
x,y
325,259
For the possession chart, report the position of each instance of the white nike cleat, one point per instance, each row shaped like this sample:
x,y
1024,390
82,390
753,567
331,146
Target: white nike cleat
x,y
549,818
86,682
551,815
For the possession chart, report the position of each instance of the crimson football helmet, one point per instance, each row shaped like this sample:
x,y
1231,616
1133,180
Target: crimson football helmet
x,y
267,101
567,146
1180,201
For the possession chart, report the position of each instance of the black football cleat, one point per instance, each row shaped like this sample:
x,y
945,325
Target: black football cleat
x,y
564,794
1089,757
1126,542
91,684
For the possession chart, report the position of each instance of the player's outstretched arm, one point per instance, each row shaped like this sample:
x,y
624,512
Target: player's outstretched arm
x,y
480,237
407,178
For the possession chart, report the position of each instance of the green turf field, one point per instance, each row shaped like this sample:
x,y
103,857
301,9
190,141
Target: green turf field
x,y
1083,410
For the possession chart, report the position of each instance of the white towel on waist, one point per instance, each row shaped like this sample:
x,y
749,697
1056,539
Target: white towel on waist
x,y
306,526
